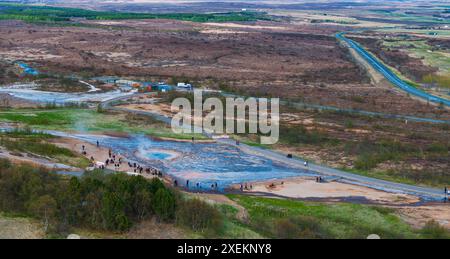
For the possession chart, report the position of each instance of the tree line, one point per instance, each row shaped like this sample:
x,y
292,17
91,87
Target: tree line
x,y
31,13
98,201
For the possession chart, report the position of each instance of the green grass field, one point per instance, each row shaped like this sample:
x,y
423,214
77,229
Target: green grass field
x,y
408,17
421,50
439,33
280,218
48,14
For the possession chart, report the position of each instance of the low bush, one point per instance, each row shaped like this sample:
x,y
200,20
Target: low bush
x,y
199,216
433,230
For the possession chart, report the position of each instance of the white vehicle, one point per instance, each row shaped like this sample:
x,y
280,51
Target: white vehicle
x,y
184,85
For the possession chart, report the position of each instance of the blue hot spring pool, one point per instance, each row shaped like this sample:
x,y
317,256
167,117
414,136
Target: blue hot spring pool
x,y
158,155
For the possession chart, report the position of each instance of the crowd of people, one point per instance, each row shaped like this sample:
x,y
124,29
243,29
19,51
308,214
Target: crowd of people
x,y
246,187
116,161
197,186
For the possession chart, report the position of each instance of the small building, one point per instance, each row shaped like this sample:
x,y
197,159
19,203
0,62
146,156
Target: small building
x,y
147,87
25,69
165,88
123,82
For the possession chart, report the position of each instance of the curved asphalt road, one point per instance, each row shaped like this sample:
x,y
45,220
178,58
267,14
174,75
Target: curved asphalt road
x,y
334,174
389,75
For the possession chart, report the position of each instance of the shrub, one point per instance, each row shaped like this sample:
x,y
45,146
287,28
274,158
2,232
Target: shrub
x,y
433,230
298,227
199,216
349,124
300,135
164,204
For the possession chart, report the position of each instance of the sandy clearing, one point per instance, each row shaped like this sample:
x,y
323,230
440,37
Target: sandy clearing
x,y
19,228
419,216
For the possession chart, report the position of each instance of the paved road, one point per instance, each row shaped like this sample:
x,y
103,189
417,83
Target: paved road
x,y
426,193
389,75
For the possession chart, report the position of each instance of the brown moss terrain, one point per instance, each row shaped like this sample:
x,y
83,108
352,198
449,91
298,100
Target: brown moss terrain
x,y
299,62
255,54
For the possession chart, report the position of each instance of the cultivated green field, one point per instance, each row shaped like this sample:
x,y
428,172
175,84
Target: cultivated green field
x,y
420,49
401,15
39,13
424,32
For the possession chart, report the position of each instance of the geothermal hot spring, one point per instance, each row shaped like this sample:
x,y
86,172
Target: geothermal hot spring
x,y
203,163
